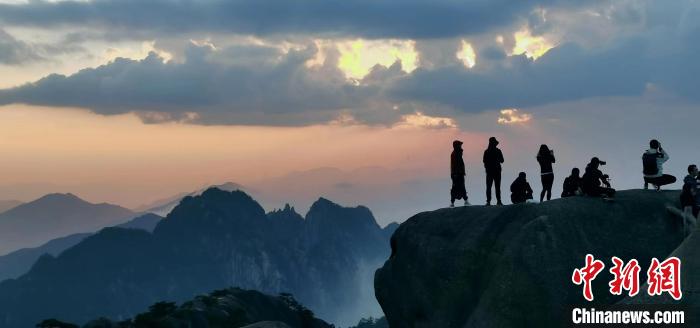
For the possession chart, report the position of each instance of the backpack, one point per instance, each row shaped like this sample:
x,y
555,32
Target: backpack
x,y
651,167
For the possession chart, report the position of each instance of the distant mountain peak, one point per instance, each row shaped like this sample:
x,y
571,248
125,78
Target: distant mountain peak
x,y
288,213
52,216
334,216
216,192
214,205
321,203
60,197
228,186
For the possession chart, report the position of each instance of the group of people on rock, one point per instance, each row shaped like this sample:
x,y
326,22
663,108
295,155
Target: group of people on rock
x,y
593,182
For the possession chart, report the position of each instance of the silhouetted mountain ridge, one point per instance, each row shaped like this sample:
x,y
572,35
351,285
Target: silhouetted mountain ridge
x,y
52,216
19,262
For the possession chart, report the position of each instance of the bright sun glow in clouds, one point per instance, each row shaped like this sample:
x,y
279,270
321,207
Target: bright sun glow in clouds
x,y
359,56
510,116
467,54
532,46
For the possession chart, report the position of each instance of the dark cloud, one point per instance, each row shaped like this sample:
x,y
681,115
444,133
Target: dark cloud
x,y
270,89
362,18
14,52
262,85
17,52
567,72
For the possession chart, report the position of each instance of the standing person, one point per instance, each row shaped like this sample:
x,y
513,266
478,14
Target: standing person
x,y
493,157
546,157
572,184
653,160
457,172
594,182
520,189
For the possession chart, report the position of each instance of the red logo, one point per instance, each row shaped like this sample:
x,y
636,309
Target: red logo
x,y
586,274
661,277
665,277
626,277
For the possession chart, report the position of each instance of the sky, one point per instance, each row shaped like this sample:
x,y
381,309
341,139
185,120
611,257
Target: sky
x,y
358,101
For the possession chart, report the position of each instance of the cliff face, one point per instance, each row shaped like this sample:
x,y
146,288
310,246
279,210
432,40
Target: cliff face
x,y
511,266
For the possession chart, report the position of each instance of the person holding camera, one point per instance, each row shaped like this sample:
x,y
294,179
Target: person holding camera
x,y
653,160
594,182
546,157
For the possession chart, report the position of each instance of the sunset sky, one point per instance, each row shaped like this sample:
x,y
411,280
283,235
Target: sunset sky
x,y
128,101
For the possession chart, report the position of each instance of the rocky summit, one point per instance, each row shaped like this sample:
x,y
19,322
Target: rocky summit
x,y
511,266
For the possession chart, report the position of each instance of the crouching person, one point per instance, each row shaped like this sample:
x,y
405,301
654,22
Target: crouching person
x,y
572,184
520,189
653,160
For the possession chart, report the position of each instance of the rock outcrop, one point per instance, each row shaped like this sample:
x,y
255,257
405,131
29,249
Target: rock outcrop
x,y
511,266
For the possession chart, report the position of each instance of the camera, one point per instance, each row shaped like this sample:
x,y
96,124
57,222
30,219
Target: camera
x,y
603,162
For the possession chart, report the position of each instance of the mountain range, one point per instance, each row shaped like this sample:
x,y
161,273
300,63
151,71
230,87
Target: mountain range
x,y
6,205
215,240
164,206
19,262
53,216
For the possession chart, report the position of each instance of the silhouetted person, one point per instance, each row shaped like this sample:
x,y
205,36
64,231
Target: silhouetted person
x,y
546,157
653,160
520,190
572,184
690,194
457,172
689,212
594,182
493,157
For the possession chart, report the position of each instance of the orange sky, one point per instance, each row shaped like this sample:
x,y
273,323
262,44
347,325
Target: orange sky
x,y
120,159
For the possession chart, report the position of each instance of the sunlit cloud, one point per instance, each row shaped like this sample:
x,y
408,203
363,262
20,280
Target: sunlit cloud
x,y
511,116
357,57
418,119
532,46
344,119
467,54
147,47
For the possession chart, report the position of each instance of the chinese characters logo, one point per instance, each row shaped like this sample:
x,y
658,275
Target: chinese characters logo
x,y
662,277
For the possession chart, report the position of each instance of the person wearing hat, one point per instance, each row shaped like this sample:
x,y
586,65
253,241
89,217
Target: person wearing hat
x,y
493,157
457,172
594,182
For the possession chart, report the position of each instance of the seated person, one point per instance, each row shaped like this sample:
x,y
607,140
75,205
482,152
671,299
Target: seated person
x,y
520,189
653,161
572,184
593,180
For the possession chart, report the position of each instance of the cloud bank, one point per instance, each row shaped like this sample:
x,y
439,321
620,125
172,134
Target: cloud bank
x,y
358,18
652,47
